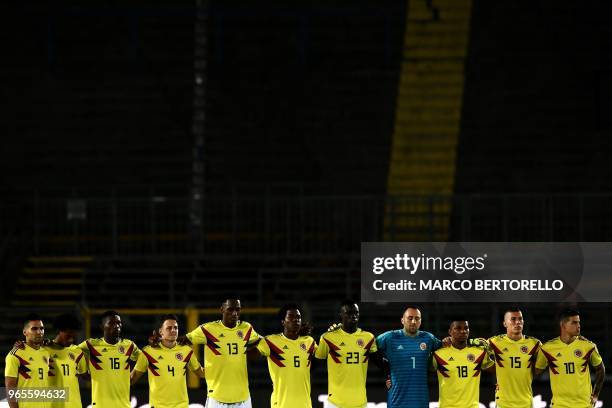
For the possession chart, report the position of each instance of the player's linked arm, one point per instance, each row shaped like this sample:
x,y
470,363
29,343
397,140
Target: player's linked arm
x,y
11,383
135,376
378,359
200,372
600,376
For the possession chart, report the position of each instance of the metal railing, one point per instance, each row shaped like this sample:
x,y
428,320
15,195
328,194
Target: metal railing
x,y
303,225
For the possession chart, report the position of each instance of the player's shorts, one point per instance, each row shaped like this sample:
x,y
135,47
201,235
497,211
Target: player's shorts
x,y
213,403
330,405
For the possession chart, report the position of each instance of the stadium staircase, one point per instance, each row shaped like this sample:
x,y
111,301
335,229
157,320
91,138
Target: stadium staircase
x,y
427,119
51,281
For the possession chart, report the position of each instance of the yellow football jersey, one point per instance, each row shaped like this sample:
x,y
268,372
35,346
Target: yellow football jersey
x,y
225,360
514,364
109,366
289,363
64,365
568,365
167,369
459,375
347,365
31,368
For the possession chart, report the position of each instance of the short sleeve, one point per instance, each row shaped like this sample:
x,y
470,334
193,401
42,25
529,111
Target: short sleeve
x,y
595,358
374,347
194,364
487,361
84,348
541,361
136,353
81,363
254,338
315,347
142,363
11,368
322,350
436,343
196,336
263,348
381,342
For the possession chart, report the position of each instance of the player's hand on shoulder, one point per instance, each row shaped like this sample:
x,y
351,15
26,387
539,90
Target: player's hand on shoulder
x,y
19,344
183,341
447,341
334,327
479,342
154,339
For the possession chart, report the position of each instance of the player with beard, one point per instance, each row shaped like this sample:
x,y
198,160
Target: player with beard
x,y
28,367
568,358
408,353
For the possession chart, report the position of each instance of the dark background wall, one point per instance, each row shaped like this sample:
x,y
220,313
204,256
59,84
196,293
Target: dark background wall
x,y
536,114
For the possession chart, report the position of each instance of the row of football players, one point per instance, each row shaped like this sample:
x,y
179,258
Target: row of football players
x,y
405,356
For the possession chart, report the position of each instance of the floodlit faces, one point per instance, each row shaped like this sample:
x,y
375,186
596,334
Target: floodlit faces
x,y
169,331
459,332
292,322
513,322
571,326
230,311
34,332
349,315
111,326
411,320
67,337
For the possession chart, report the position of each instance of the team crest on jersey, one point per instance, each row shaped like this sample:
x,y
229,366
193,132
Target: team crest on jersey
x,y
360,342
524,349
71,356
179,356
470,357
240,334
303,346
423,346
578,353
121,349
